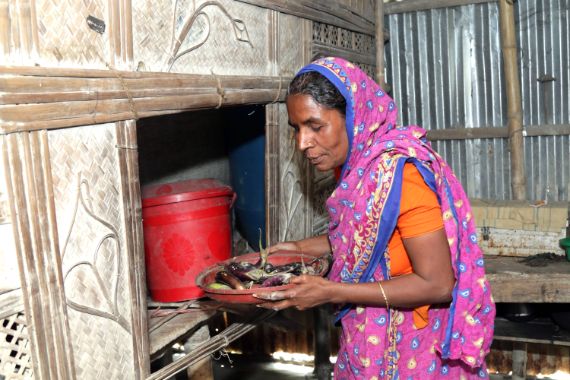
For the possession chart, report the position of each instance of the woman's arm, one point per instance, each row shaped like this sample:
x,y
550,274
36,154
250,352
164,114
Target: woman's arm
x,y
313,246
431,283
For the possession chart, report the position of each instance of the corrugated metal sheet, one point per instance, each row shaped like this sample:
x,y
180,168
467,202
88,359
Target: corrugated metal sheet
x,y
445,68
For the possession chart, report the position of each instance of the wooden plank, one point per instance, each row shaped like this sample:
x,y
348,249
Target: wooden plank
x,y
176,328
497,132
423,5
325,11
513,281
30,190
540,331
215,343
132,210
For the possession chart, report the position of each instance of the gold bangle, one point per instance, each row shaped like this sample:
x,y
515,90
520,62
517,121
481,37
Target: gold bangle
x,y
384,295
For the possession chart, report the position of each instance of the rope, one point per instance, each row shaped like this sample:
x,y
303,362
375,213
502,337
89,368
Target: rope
x,y
278,91
219,89
127,91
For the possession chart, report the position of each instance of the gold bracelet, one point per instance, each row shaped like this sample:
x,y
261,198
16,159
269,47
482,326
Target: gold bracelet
x,y
384,294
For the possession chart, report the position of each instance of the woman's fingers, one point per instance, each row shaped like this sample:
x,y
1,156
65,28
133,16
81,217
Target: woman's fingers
x,y
274,296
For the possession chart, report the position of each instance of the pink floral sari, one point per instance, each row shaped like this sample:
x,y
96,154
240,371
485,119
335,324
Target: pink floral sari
x,y
384,344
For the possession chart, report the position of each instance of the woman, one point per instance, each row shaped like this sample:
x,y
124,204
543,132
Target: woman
x,y
407,273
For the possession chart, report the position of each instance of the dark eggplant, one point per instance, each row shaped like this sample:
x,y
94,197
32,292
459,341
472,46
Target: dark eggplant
x,y
277,280
287,268
246,271
229,279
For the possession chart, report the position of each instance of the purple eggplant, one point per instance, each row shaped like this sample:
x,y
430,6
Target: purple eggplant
x,y
246,271
277,280
229,279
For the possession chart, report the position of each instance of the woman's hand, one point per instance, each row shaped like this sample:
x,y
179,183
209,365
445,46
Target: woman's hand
x,y
310,291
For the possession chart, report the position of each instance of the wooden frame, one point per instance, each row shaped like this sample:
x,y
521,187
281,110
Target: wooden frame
x,y
32,95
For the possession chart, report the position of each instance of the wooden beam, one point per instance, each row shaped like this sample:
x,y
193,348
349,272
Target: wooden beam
x,y
101,96
423,5
325,11
513,94
496,132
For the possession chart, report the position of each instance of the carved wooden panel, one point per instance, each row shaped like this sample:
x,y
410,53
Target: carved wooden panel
x,y
201,37
295,220
88,198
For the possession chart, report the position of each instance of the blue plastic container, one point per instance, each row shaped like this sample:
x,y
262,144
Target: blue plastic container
x,y
246,150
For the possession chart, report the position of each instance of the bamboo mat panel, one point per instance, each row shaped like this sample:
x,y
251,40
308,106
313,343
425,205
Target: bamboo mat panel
x,y
227,37
289,55
64,36
86,182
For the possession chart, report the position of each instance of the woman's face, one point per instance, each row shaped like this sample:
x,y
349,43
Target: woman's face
x,y
320,132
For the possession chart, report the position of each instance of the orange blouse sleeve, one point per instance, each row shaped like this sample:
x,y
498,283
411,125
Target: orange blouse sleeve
x,y
420,213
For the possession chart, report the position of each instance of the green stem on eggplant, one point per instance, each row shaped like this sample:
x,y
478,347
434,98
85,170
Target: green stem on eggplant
x,y
263,253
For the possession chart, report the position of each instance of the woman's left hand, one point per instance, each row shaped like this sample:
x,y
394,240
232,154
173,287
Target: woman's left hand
x,y
310,291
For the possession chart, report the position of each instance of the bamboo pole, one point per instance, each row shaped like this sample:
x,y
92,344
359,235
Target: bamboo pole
x,y
513,89
36,98
379,12
422,5
324,11
5,23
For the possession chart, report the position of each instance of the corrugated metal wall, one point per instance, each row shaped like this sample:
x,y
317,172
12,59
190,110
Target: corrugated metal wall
x,y
445,69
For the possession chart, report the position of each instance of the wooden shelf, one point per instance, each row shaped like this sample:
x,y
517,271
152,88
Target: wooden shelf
x,y
514,281
167,330
542,331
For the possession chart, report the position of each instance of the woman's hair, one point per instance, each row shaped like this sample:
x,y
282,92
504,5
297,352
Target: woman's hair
x,y
319,88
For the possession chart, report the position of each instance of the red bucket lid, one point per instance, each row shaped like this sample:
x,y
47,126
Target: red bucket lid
x,y
156,195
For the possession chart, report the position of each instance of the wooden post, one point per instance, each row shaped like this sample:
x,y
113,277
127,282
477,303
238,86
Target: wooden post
x,y
323,366
519,361
380,43
512,84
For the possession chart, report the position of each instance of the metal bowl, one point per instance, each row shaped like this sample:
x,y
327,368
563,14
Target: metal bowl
x,y
246,295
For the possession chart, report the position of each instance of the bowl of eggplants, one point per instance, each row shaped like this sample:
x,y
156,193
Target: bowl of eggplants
x,y
237,279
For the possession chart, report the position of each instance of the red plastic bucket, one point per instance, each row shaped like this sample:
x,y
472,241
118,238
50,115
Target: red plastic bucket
x,y
186,229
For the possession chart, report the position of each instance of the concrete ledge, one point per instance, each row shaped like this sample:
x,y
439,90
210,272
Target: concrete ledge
x,y
518,228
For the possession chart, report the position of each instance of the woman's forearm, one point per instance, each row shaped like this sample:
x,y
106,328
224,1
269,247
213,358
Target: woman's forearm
x,y
405,291
313,246
316,245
